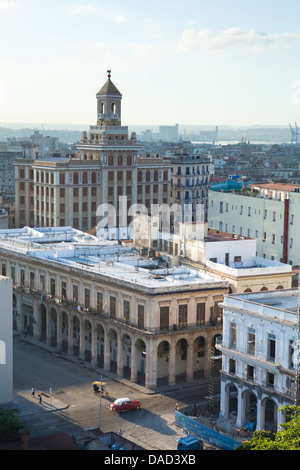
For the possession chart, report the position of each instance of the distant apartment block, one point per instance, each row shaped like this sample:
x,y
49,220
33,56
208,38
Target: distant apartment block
x,y
269,213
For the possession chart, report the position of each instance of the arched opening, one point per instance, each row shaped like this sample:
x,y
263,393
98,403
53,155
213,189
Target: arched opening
x,y
163,357
76,336
110,160
263,289
100,345
84,177
140,176
247,290
140,351
64,332
43,313
232,402
181,360
75,178
279,287
88,340
126,345
199,357
250,402
120,160
270,415
94,177
53,327
113,342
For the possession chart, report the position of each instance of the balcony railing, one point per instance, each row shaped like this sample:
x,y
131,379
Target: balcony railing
x,y
246,351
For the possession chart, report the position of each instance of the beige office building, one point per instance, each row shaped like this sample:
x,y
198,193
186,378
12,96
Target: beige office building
x,y
101,302
108,169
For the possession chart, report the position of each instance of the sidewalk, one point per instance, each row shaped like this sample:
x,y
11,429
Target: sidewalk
x,y
111,375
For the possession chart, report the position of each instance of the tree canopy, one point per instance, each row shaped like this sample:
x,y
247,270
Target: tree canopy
x,y
286,439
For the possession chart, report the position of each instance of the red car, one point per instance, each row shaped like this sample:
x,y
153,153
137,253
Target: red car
x,y
124,404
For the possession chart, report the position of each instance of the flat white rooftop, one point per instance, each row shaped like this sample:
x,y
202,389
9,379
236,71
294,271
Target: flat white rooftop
x,y
72,248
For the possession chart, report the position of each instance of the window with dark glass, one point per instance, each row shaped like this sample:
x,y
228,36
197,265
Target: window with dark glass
x,y
164,318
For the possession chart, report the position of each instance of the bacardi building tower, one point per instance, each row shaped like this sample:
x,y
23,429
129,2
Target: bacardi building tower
x,y
107,173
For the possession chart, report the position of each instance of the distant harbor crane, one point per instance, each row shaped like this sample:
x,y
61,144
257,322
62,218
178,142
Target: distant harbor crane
x,y
294,133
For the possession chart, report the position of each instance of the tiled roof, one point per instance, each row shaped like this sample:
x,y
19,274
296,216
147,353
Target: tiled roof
x,y
109,89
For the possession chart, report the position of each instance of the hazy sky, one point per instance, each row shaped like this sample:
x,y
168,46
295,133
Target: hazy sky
x,y
215,62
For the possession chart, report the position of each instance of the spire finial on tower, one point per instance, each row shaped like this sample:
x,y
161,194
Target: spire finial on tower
x,y
109,71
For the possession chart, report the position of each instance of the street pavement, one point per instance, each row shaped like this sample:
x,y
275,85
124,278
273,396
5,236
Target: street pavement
x,y
72,406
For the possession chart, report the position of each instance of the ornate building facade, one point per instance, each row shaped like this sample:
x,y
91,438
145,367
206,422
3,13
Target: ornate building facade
x,y
108,170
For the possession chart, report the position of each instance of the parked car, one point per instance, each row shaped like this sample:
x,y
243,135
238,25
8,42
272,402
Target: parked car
x,y
124,404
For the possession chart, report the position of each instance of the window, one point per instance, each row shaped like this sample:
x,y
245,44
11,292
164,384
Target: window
x,y
64,290
126,310
182,316
22,277
249,211
250,372
232,366
221,207
112,307
232,334
200,313
251,341
75,293
271,347
42,282
270,380
273,238
164,318
141,316
52,286
99,302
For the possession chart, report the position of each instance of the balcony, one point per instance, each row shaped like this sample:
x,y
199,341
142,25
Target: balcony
x,y
244,352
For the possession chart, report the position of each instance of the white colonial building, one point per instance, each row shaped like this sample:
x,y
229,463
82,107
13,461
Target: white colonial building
x,y
6,341
258,355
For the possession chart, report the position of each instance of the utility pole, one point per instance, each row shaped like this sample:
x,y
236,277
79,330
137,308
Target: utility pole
x,y
100,403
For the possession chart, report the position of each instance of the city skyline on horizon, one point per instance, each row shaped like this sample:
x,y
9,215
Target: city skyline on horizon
x,y
224,64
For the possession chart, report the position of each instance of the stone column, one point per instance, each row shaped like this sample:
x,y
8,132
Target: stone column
x,y
133,365
94,344
260,422
106,351
151,365
240,412
70,336
172,363
59,331
224,403
120,357
48,326
190,361
82,340
36,319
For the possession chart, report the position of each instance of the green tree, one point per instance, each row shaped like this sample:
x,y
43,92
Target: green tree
x,y
10,425
287,439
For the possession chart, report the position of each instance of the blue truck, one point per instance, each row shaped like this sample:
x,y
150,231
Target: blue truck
x,y
189,443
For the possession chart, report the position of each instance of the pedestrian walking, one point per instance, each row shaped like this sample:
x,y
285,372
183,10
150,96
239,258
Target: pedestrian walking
x,y
33,392
176,406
